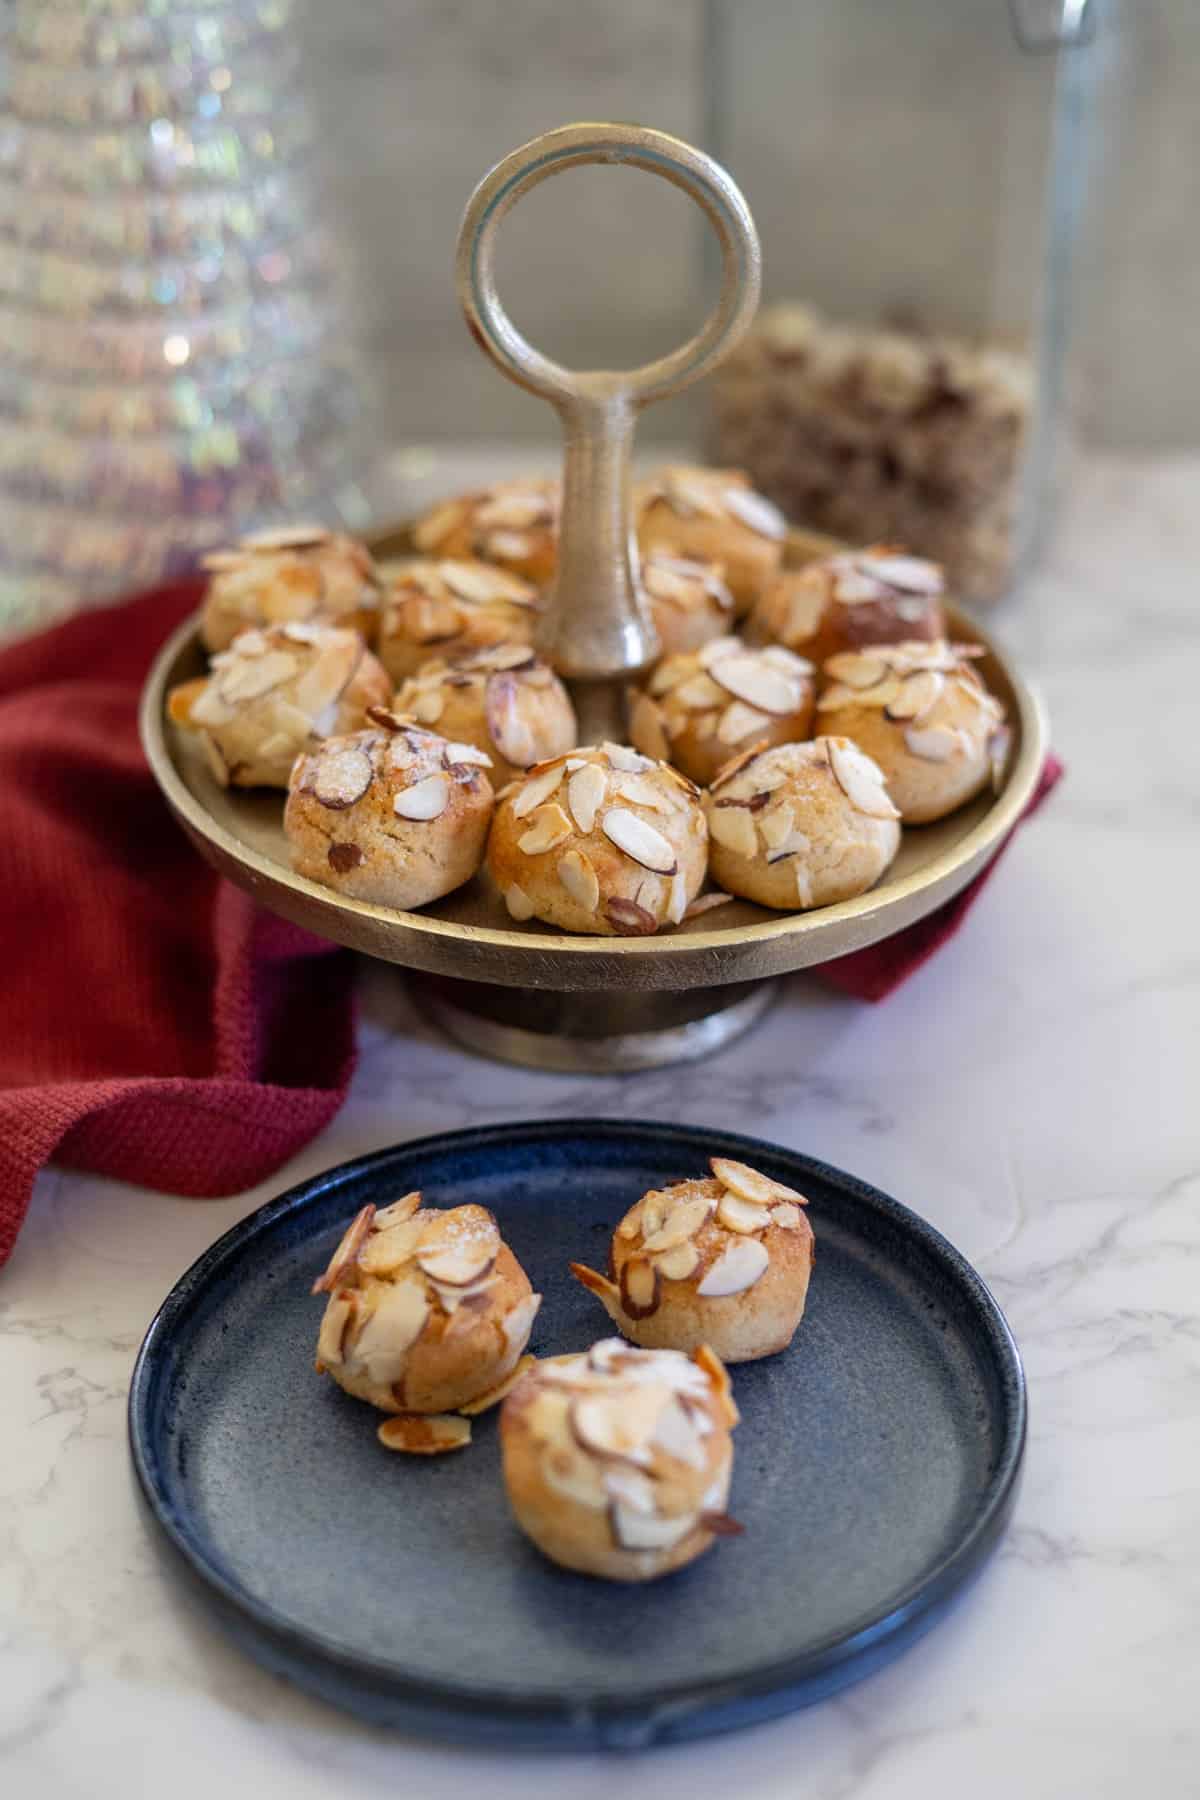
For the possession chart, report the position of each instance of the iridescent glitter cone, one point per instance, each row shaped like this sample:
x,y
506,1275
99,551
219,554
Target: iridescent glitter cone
x,y
173,361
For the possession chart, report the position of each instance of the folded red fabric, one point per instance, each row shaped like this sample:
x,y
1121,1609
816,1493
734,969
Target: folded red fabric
x,y
155,1025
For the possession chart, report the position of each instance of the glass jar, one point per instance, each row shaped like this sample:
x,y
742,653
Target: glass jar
x,y
916,171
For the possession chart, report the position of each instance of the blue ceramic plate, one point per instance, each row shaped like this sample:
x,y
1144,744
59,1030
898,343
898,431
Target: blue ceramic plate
x,y
876,1463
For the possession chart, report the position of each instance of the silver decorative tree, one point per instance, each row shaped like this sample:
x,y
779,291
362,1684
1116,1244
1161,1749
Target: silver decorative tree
x,y
174,363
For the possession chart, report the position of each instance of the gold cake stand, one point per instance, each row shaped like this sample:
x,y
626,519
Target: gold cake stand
x,y
530,993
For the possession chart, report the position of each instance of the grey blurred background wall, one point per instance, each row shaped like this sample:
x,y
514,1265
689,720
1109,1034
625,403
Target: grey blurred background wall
x,y
418,97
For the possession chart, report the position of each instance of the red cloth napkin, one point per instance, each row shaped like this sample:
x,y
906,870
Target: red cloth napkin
x,y
154,1025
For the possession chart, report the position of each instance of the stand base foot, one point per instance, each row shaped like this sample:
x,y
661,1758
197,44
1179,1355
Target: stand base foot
x,y
591,1034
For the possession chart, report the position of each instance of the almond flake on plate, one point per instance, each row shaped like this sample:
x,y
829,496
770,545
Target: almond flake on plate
x,y
425,1434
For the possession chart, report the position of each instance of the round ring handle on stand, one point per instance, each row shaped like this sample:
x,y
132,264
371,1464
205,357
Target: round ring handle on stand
x,y
597,628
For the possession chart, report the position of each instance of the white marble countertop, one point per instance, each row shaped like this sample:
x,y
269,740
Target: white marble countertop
x,y
1033,1092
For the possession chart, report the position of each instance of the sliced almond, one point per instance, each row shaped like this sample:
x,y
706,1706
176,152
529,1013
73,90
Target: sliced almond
x,y
750,677
742,1216
717,1375
860,780
607,1292
580,880
755,511
391,1248
640,790
437,525
705,903
517,1323
425,1434
251,678
736,764
585,793
916,695
617,1424
286,537
787,1215
342,777
457,755
398,1211
460,1246
181,699
999,746
646,727
628,918
932,743
690,494
507,726
644,1531
631,1225
676,1435
721,1525
484,1402
632,1488
511,545
738,722
733,828
471,581
856,668
677,904
638,840
679,1263
549,826
699,692
424,800
639,1287
804,887
520,906
738,1267
396,1321
428,705
628,761
681,1223
535,789
343,1264
777,825
750,1184
911,574
335,1321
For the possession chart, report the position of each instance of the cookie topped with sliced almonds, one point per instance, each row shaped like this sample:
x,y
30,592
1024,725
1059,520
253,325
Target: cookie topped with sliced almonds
x,y
273,693
713,515
700,708
722,1260
618,1461
296,573
602,840
850,601
922,712
392,814
450,608
429,1313
504,699
800,825
512,524
689,600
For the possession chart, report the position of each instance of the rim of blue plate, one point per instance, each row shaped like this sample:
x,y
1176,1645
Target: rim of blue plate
x,y
510,1704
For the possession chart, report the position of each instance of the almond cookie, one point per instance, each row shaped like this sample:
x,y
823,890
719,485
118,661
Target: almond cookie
x,y
689,601
844,602
716,516
297,573
449,609
504,700
618,1461
698,709
922,712
511,523
429,1312
393,814
802,825
602,841
273,693
722,1261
